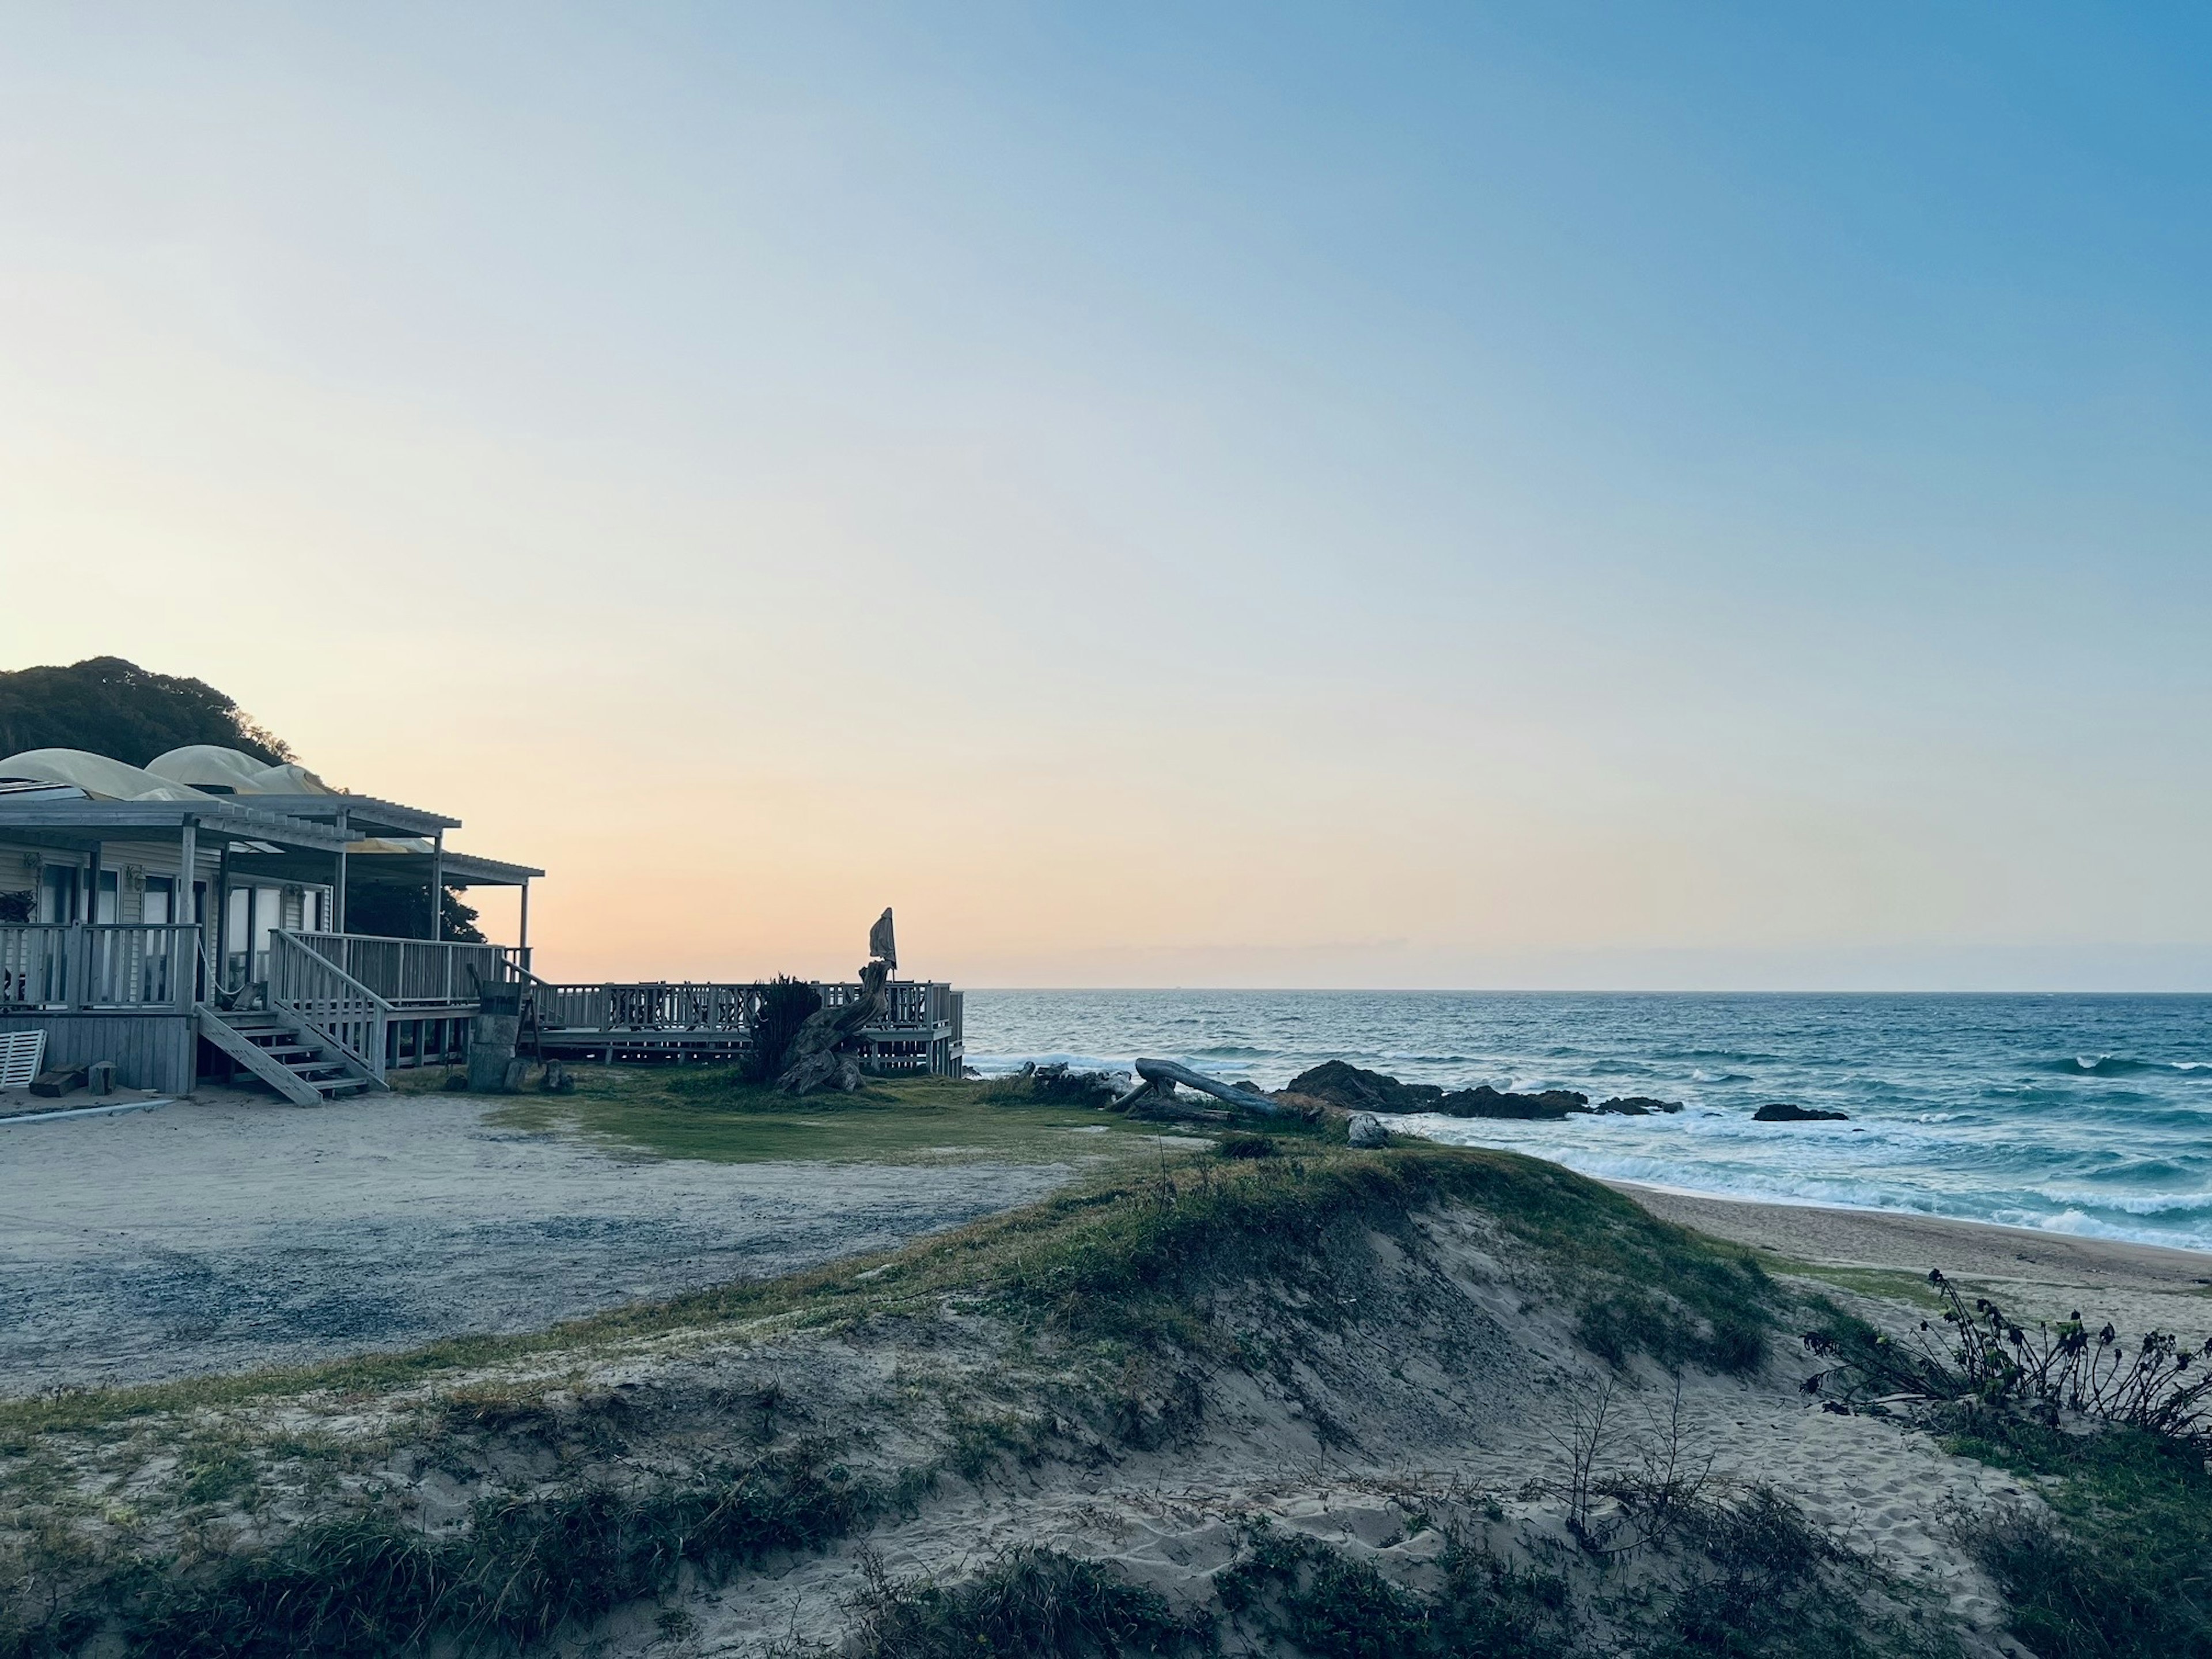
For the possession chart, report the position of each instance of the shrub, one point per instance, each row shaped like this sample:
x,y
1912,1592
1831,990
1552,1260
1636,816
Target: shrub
x,y
1055,1083
1995,1366
1030,1602
785,1004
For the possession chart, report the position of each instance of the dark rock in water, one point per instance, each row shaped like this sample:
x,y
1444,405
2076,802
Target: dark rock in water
x,y
1782,1111
1636,1105
1358,1090
1483,1101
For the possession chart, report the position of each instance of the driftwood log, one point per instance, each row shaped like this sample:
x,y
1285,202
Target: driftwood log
x,y
1160,1076
821,1052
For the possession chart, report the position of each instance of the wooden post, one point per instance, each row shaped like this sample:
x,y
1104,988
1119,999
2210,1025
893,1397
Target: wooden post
x,y
438,885
182,907
222,911
522,942
337,898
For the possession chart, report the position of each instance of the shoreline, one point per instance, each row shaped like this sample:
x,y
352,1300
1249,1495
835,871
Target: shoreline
x,y
1892,1241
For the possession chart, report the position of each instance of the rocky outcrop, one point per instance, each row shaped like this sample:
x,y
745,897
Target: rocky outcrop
x,y
1483,1101
1782,1111
1355,1090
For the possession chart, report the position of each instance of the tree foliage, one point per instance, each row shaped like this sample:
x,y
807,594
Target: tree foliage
x,y
113,707
391,910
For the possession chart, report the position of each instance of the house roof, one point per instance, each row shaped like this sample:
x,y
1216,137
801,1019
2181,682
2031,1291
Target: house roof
x,y
365,814
81,822
397,867
287,814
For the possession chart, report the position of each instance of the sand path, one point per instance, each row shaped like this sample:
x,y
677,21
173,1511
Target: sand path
x,y
231,1232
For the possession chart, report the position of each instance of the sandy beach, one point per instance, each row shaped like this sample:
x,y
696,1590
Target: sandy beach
x,y
2137,1287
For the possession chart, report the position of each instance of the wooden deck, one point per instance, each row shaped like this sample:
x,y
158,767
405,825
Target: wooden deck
x,y
130,994
698,1022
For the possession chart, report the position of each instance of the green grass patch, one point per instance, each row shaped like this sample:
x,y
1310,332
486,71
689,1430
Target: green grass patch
x,y
2122,1563
708,1113
1898,1284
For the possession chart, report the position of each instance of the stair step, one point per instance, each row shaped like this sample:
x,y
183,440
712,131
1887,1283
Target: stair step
x,y
312,1070
351,1085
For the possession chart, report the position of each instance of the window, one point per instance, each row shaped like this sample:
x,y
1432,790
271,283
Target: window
x,y
58,893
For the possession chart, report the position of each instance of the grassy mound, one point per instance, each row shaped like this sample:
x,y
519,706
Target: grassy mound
x,y
1128,1277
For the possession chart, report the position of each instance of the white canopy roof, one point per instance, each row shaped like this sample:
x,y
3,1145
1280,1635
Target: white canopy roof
x,y
210,766
98,776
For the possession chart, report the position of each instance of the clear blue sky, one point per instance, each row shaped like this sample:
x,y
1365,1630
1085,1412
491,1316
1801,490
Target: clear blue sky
x,y
1682,494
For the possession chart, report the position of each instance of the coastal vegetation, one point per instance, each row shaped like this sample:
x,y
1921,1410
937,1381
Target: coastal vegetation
x,y
2112,1436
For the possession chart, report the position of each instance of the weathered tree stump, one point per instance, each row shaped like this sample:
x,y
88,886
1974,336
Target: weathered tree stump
x,y
821,1055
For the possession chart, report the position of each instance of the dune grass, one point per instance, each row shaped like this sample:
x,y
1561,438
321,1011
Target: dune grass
x,y
2120,1561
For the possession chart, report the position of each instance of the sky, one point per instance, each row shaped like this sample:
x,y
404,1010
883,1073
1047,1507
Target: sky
x,y
1687,496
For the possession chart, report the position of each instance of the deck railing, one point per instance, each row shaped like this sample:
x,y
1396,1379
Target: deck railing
x,y
702,1006
307,984
411,973
77,966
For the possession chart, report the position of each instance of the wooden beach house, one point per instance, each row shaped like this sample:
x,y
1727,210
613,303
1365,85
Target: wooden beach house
x,y
189,919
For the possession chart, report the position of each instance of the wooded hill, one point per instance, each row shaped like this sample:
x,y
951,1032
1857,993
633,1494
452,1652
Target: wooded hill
x,y
130,714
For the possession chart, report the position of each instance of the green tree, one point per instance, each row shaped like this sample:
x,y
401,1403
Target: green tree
x,y
113,707
390,910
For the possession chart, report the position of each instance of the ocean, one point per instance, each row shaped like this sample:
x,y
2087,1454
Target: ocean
x,y
2088,1114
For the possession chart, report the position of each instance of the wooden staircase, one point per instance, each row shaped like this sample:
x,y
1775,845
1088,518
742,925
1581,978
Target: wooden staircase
x,y
286,1054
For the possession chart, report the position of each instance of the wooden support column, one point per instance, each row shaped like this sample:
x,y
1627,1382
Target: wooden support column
x,y
338,895
181,908
522,940
92,887
438,885
222,911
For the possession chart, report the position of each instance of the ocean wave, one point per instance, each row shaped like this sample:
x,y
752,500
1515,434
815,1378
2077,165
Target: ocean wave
x,y
2130,1203
2123,1066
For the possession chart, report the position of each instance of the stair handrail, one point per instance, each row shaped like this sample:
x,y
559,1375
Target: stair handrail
x,y
359,1008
